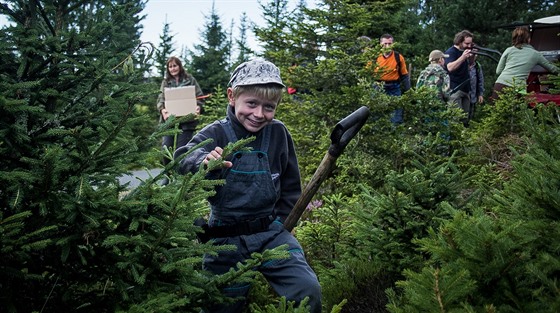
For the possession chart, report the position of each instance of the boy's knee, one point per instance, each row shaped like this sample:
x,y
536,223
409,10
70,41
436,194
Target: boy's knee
x,y
311,289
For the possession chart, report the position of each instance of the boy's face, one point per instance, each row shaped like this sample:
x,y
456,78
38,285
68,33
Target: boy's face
x,y
251,111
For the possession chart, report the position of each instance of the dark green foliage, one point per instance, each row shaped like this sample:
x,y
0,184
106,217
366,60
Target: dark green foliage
x,y
274,34
343,234
66,117
440,289
416,179
554,83
360,284
505,116
409,205
507,249
500,129
215,107
71,237
261,293
283,307
325,229
474,248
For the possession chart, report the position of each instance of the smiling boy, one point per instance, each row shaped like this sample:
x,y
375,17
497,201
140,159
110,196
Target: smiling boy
x,y
261,187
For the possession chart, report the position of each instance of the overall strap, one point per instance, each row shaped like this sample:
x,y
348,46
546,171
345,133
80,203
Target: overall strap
x,y
266,138
228,129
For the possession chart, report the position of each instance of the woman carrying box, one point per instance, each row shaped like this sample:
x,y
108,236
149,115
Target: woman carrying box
x,y
176,76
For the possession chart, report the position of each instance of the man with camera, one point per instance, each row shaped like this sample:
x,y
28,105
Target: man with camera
x,y
458,68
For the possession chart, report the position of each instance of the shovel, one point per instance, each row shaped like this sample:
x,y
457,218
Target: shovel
x,y
341,135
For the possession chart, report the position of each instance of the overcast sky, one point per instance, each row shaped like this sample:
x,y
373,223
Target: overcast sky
x,y
187,18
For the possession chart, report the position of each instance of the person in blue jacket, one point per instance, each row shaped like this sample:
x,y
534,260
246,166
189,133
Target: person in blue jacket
x,y
261,187
476,94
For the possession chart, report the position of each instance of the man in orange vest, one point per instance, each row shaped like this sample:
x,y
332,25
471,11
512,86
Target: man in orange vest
x,y
392,71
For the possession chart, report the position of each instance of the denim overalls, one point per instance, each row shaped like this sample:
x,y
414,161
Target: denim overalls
x,y
249,190
249,193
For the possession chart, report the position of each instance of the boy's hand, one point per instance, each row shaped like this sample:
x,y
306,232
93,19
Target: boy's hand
x,y
215,155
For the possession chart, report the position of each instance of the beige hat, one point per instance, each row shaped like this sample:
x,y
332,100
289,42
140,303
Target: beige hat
x,y
255,72
436,55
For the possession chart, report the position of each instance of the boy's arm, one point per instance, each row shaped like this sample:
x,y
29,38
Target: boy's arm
x,y
290,182
191,163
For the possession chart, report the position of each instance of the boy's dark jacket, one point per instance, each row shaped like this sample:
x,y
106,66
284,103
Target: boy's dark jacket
x,y
281,154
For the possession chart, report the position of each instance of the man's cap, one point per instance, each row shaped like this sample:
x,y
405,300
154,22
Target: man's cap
x,y
255,72
436,55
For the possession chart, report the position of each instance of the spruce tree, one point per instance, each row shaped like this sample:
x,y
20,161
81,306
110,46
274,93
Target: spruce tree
x,y
274,34
67,108
209,59
72,237
502,257
164,50
243,50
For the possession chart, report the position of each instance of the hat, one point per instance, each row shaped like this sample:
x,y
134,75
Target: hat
x,y
436,55
255,72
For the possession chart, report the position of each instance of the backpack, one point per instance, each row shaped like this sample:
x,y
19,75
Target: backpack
x,y
398,60
431,79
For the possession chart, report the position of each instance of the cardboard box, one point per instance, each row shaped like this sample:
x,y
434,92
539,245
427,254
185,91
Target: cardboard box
x,y
180,101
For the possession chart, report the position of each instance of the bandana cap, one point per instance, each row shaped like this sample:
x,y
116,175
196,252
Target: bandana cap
x,y
255,72
436,55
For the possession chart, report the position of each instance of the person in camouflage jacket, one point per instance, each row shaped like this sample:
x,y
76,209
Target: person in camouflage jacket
x,y
434,76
